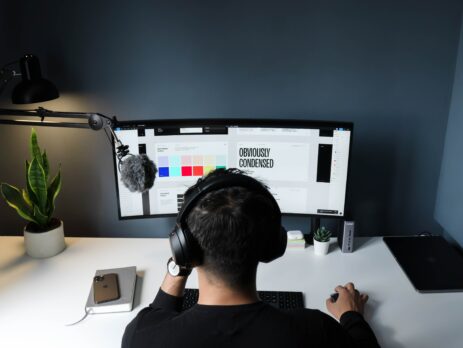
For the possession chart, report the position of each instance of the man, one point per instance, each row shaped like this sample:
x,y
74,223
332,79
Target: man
x,y
229,224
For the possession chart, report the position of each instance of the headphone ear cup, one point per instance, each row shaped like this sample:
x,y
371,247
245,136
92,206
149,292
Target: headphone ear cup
x,y
185,250
178,246
276,247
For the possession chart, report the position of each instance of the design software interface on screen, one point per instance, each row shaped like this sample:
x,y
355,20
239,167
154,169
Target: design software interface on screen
x,y
304,168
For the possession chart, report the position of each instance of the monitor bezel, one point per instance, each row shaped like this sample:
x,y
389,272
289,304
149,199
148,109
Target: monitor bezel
x,y
256,122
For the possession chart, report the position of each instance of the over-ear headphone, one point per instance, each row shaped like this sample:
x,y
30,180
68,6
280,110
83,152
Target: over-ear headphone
x,y
186,251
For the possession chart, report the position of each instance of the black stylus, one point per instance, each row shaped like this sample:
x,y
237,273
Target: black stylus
x,y
334,297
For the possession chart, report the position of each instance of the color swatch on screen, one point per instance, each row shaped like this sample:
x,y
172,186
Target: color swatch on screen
x,y
189,165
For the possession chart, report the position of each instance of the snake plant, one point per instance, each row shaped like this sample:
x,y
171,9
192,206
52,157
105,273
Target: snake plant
x,y
36,203
322,235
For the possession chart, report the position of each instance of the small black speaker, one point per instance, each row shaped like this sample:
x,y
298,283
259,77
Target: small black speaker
x,y
346,236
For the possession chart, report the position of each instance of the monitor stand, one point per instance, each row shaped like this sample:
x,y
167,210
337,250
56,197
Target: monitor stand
x,y
314,225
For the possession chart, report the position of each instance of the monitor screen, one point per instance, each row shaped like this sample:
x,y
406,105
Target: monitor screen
x,y
303,163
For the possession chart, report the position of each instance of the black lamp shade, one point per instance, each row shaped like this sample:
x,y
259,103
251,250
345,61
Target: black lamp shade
x,y
33,88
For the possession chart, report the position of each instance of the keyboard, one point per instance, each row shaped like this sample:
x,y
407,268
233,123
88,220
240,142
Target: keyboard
x,y
277,299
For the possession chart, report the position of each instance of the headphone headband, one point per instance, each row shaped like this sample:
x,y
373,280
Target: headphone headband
x,y
221,182
185,249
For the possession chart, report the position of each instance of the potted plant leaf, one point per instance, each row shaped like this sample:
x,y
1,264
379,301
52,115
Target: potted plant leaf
x,y
43,234
321,241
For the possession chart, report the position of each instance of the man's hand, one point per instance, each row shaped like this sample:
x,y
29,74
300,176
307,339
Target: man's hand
x,y
349,300
174,285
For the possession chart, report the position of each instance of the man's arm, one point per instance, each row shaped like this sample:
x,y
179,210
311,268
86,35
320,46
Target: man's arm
x,y
167,304
348,310
174,286
349,300
170,296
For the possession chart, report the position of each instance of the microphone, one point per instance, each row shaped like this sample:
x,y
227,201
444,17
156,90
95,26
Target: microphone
x,y
138,172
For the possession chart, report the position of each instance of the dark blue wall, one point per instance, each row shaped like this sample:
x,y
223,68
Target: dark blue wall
x,y
388,66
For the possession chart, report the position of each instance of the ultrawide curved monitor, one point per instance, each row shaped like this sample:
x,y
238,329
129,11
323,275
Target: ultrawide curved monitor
x,y
304,163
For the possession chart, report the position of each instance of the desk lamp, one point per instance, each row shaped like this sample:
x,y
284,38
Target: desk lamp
x,y
33,88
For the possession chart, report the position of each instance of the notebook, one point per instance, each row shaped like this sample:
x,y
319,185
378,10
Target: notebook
x,y
430,263
127,277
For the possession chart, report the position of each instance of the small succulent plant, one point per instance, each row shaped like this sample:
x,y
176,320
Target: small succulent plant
x,y
322,235
36,203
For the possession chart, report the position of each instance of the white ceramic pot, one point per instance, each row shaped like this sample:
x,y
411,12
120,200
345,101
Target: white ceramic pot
x,y
321,248
44,244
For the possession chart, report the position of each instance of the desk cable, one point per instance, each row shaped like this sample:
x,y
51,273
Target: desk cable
x,y
82,319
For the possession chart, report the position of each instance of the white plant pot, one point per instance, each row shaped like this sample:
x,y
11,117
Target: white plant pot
x,y
321,248
44,244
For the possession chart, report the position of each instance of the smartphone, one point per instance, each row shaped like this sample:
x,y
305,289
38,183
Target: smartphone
x,y
105,288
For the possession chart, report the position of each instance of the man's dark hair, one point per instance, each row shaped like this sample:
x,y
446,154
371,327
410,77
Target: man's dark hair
x,y
229,224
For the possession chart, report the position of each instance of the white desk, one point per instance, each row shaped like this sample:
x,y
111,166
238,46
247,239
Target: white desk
x,y
38,297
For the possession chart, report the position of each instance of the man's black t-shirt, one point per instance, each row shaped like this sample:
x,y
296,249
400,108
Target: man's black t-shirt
x,y
251,325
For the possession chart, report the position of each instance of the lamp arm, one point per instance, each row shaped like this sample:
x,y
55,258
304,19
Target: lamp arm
x,y
95,121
